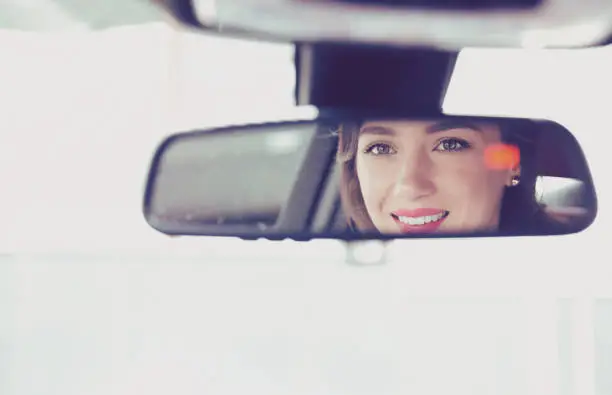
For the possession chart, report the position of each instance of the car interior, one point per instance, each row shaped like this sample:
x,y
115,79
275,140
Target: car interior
x,y
101,297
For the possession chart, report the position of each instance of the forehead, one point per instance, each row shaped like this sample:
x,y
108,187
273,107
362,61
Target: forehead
x,y
488,130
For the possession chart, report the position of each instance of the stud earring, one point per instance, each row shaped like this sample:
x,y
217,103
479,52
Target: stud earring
x,y
515,181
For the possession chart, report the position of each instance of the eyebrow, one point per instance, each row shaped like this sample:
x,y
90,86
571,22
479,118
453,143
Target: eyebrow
x,y
433,128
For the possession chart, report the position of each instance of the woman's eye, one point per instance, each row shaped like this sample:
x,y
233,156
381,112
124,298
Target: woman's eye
x,y
452,145
380,149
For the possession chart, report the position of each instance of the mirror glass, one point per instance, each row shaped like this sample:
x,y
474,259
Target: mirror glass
x,y
372,177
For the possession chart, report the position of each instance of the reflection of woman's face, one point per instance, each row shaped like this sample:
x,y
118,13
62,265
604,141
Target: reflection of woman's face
x,y
422,176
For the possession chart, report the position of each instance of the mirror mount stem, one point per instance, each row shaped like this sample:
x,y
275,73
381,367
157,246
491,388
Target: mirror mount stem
x,y
373,78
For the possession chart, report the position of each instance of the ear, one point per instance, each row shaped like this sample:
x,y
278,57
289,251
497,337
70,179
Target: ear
x,y
514,175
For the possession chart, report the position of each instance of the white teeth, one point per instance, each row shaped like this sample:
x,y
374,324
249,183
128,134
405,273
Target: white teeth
x,y
421,220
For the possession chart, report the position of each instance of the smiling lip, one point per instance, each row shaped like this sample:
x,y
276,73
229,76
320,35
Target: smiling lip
x,y
418,217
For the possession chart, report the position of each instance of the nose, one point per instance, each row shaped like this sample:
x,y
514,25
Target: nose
x,y
414,178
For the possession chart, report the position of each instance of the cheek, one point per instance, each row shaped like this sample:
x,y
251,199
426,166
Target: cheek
x,y
374,179
470,182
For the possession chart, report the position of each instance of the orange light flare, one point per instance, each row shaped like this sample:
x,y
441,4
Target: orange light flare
x,y
502,156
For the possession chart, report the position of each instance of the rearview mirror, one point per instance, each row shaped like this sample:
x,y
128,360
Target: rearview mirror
x,y
371,178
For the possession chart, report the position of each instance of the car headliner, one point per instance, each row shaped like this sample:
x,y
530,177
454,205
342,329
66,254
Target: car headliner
x,y
51,15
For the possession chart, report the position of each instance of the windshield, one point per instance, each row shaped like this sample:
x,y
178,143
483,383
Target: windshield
x,y
82,114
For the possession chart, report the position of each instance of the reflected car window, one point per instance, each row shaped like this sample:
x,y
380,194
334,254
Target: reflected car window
x,y
219,190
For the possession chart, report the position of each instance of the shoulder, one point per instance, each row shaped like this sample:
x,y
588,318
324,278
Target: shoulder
x,y
561,220
568,219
